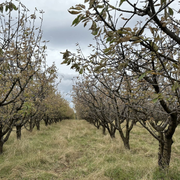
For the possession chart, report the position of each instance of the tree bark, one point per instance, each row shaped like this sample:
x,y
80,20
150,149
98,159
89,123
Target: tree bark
x,y
1,146
46,120
164,154
165,140
38,125
1,139
126,144
113,131
125,139
104,130
31,125
18,131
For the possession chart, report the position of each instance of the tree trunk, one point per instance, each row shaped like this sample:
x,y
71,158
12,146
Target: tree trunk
x,y
124,139
127,137
31,125
165,143
1,146
113,131
164,154
112,134
46,120
1,139
18,131
98,124
38,125
126,144
104,130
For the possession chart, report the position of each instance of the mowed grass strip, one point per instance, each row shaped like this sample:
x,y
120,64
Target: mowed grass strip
x,y
75,149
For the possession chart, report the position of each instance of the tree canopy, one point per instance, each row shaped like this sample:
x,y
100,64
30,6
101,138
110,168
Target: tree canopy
x,y
136,58
27,85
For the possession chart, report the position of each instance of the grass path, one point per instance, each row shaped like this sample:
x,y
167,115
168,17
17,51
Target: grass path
x,y
77,150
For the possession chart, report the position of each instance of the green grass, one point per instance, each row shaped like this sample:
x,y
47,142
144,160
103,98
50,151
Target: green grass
x,y
77,150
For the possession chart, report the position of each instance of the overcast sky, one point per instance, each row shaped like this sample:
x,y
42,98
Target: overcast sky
x,y
58,30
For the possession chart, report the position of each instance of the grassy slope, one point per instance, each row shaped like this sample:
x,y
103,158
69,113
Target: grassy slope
x,y
77,150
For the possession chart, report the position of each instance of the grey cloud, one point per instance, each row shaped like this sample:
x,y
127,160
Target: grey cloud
x,y
67,80
69,77
67,36
65,87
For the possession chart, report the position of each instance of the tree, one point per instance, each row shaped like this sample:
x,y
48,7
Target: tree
x,y
102,107
31,112
146,51
21,56
56,108
42,85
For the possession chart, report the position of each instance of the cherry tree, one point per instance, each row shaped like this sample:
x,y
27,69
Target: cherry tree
x,y
140,41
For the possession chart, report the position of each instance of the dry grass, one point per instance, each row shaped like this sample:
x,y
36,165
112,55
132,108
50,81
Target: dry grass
x,y
77,150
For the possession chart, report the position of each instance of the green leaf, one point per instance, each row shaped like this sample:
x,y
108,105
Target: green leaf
x,y
77,20
12,6
1,52
93,26
142,76
157,97
163,2
155,100
91,3
97,68
15,8
7,7
66,57
75,66
121,2
81,71
82,6
175,86
1,8
171,12
155,47
74,12
95,31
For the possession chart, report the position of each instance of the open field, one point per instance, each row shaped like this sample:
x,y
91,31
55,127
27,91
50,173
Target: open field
x,y
75,149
